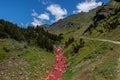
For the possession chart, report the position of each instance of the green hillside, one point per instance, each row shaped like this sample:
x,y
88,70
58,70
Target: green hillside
x,y
90,40
96,60
109,24
72,22
21,62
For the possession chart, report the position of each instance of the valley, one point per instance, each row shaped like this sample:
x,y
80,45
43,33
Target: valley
x,y
90,43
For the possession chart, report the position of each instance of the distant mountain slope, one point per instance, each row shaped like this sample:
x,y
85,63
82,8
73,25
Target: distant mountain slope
x,y
86,21
106,20
73,22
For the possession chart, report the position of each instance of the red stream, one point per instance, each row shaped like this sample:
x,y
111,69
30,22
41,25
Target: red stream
x,y
59,66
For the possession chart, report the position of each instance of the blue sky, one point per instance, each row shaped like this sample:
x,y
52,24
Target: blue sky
x,y
38,12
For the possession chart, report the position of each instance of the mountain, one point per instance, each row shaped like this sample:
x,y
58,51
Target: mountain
x,y
83,20
106,19
91,44
73,22
45,26
98,57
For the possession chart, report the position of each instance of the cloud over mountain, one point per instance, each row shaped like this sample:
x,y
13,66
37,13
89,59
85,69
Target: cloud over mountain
x,y
57,11
38,19
54,9
36,22
44,16
87,5
54,12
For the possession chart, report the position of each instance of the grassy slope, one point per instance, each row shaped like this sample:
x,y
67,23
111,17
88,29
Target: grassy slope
x,y
91,55
21,62
96,60
80,21
108,22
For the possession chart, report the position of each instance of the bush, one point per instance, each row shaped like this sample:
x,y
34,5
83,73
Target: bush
x,y
76,47
6,49
70,40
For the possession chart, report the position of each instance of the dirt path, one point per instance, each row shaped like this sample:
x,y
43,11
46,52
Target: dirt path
x,y
59,66
103,40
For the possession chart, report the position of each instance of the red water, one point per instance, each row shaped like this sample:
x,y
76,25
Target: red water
x,y
59,66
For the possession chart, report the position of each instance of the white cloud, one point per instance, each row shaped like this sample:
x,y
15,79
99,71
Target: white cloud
x,y
54,9
87,5
38,19
57,11
44,16
36,22
44,2
34,13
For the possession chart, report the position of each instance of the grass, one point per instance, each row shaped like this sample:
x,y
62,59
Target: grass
x,y
40,61
19,62
107,69
90,53
95,61
23,62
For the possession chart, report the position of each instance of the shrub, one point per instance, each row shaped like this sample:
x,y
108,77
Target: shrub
x,y
70,40
6,49
76,47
